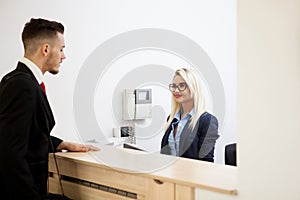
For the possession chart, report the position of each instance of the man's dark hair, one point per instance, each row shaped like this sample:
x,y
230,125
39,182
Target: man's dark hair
x,y
37,30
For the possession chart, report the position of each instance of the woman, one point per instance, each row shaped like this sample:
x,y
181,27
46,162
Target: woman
x,y
191,132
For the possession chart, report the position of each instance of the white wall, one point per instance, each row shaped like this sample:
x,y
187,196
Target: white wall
x,y
91,25
268,109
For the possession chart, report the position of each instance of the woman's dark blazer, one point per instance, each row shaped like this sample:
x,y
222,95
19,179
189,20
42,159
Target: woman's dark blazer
x,y
197,144
26,121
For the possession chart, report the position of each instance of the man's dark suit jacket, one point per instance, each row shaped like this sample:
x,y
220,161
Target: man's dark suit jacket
x,y
197,144
26,121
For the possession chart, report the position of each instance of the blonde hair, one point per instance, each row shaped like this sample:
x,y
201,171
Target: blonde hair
x,y
192,79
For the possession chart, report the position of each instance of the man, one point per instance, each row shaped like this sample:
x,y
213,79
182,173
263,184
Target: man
x,y
26,119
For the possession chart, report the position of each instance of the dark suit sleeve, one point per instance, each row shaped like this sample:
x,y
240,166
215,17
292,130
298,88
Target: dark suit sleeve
x,y
208,133
55,142
16,113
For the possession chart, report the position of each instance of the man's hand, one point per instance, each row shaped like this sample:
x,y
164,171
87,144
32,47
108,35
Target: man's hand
x,y
72,146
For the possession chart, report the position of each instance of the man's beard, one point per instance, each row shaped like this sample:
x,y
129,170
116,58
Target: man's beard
x,y
51,63
53,72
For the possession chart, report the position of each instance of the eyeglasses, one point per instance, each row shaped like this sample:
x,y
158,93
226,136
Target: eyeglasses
x,y
181,87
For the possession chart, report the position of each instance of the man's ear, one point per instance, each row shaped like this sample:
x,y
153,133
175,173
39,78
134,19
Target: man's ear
x,y
45,49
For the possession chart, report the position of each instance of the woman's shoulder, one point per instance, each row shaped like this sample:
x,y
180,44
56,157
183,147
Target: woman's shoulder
x,y
207,116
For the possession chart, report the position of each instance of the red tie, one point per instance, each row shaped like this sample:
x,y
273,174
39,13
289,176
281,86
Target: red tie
x,y
43,87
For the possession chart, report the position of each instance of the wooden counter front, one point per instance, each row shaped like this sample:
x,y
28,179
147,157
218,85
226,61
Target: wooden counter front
x,y
114,173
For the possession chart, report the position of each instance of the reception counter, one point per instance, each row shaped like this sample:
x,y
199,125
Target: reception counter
x,y
116,173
